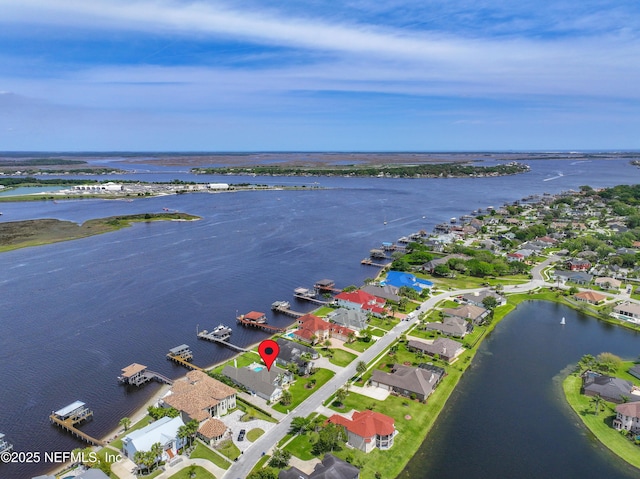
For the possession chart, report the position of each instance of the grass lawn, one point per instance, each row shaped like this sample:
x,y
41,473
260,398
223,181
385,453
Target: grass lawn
x,y
322,311
378,332
466,282
185,473
423,334
341,357
245,359
387,323
260,464
600,424
359,345
302,444
203,452
299,392
254,434
228,449
251,412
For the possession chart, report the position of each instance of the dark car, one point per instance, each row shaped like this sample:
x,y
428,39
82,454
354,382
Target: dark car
x,y
241,434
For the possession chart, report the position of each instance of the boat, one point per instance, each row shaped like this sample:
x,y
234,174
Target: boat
x,y
280,305
562,321
4,445
222,331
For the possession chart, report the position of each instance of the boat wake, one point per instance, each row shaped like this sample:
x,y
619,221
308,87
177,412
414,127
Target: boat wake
x,y
560,175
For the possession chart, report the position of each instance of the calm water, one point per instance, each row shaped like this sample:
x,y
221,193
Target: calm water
x,y
508,417
73,314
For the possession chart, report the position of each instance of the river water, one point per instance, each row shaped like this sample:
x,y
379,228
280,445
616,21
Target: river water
x,y
73,314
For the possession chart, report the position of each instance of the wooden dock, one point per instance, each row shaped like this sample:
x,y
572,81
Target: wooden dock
x,y
69,416
183,362
262,326
368,262
288,311
137,374
310,299
210,337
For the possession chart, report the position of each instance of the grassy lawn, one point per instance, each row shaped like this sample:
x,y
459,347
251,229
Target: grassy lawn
x,y
600,424
466,282
323,311
302,444
203,452
185,473
254,434
300,392
387,323
228,449
359,345
378,332
260,464
251,412
423,334
245,359
341,357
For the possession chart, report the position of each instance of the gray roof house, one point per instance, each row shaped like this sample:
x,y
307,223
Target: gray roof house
x,y
446,348
349,318
261,382
301,355
331,467
635,371
609,388
405,380
477,297
473,313
388,292
451,326
578,277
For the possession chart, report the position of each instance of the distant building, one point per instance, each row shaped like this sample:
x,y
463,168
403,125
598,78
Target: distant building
x,y
607,283
362,301
578,264
477,297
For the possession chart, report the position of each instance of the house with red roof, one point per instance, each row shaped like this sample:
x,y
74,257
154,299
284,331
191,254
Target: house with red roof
x,y
367,430
312,329
362,301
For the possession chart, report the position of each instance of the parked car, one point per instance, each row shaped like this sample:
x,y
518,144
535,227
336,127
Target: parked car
x,y
241,434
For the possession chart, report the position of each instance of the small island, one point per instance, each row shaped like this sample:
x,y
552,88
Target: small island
x,y
22,234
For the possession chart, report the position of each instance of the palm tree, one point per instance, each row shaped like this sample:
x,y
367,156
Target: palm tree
x,y
326,344
125,422
596,400
192,429
361,367
351,337
341,395
155,452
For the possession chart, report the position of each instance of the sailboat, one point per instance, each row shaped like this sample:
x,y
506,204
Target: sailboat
x,y
562,321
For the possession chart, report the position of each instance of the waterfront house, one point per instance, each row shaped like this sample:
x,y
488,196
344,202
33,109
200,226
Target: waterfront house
x,y
331,467
445,348
212,431
367,430
387,292
362,301
312,329
609,388
451,326
349,318
341,333
590,297
578,277
470,312
257,380
627,311
163,431
134,374
578,264
406,381
295,353
607,283
635,371
199,397
628,417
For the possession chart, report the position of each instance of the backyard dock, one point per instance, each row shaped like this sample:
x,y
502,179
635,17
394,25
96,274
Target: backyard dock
x,y
137,374
262,326
182,355
73,414
211,336
283,307
368,262
327,286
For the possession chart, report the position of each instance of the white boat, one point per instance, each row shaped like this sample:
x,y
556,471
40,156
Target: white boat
x,y
222,330
562,321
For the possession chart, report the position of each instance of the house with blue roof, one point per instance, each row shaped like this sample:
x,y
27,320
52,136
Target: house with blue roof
x,y
400,279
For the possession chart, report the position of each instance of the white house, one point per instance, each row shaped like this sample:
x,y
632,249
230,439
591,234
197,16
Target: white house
x,y
164,431
628,417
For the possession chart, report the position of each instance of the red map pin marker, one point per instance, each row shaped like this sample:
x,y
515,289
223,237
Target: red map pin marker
x,y
268,350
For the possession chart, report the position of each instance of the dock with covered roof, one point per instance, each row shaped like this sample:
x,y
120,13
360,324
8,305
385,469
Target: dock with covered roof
x,y
137,374
73,414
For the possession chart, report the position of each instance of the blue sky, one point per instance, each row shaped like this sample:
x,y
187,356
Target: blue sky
x,y
365,75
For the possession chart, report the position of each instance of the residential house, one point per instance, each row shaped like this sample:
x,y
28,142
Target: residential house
x,y
609,388
163,431
199,397
578,277
387,292
430,266
451,326
296,353
627,311
590,297
330,468
607,283
350,318
362,301
477,298
635,371
406,381
512,257
367,430
578,264
212,431
628,417
258,380
445,348
312,329
341,333
471,312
